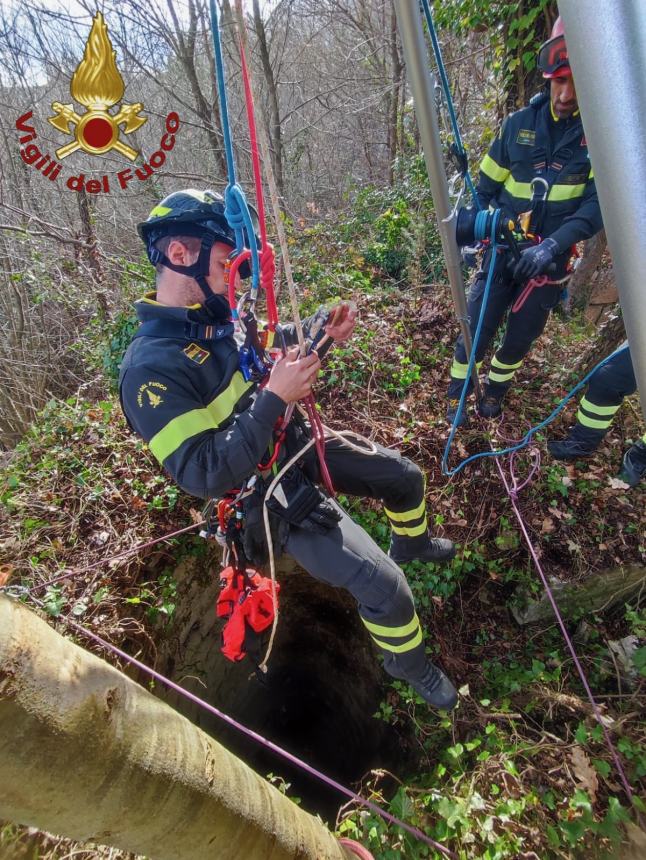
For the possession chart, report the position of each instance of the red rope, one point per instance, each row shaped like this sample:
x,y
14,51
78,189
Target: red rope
x,y
267,264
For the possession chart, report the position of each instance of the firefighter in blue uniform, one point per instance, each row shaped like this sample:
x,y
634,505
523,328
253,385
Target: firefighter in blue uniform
x,y
607,388
182,390
538,173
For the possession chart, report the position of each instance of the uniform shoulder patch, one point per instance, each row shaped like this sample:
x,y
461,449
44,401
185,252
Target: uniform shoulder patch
x,y
149,394
526,136
574,179
196,353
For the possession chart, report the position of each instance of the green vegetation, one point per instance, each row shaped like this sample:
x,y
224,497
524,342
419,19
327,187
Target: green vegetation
x,y
522,767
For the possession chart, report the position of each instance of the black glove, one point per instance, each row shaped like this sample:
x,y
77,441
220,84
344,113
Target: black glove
x,y
300,503
535,260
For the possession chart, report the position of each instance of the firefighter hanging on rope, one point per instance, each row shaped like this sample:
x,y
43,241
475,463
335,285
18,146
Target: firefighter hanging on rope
x,y
212,429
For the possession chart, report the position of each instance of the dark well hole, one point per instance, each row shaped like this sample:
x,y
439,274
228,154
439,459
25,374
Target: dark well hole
x,y
323,685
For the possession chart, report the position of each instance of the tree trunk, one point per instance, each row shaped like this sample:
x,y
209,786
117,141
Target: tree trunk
x,y
596,593
611,334
88,753
397,67
93,254
275,134
584,279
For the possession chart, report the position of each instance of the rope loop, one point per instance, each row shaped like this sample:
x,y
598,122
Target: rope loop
x,y
238,215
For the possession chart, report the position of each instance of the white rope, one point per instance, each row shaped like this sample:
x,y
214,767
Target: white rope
x,y
342,435
270,546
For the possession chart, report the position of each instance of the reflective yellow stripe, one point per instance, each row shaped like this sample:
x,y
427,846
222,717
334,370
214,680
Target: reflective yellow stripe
x,y
412,531
493,170
591,174
566,192
183,427
159,210
518,189
582,418
459,370
399,649
644,438
406,516
600,410
496,362
502,376
393,632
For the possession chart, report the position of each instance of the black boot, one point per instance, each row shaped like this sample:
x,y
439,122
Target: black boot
x,y
634,466
580,442
491,404
423,548
435,688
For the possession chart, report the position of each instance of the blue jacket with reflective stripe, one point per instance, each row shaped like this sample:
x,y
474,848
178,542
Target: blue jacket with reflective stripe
x,y
188,400
532,143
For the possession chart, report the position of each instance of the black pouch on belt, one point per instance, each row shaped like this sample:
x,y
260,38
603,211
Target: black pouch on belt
x,y
301,503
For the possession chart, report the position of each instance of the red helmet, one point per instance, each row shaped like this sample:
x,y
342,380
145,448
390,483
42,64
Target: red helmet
x,y
552,58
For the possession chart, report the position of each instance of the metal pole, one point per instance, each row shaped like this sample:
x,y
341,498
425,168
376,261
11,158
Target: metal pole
x,y
607,49
422,85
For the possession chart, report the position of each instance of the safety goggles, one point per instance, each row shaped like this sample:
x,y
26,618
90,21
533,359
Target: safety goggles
x,y
553,59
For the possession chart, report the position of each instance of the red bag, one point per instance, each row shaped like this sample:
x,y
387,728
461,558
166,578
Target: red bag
x,y
246,599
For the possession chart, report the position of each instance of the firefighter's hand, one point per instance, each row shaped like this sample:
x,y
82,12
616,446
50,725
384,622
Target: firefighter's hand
x,y
291,377
341,321
535,260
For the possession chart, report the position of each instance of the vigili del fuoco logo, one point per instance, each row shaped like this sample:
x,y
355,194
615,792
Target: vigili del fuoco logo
x,y
98,86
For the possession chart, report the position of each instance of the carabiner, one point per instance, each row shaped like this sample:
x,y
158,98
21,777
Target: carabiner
x,y
538,180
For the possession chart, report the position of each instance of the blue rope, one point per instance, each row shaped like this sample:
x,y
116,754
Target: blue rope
x,y
527,438
236,209
449,101
474,348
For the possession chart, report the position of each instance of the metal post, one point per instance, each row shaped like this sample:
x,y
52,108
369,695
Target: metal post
x,y
607,48
422,85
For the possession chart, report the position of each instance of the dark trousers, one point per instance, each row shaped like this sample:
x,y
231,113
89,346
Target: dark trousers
x,y
614,381
607,388
347,557
523,326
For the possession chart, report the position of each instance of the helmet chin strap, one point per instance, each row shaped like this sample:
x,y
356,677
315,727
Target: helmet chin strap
x,y
216,304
